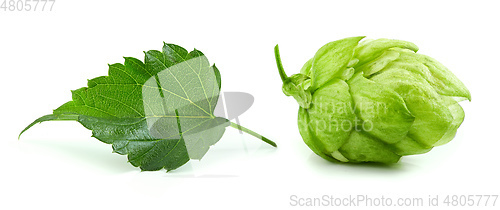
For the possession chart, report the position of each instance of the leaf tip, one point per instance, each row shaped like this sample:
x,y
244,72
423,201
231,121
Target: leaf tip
x,y
19,137
28,127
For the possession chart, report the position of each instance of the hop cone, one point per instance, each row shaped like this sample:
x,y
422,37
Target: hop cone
x,y
374,101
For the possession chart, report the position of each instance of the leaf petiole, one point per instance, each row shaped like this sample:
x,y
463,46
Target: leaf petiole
x,y
246,130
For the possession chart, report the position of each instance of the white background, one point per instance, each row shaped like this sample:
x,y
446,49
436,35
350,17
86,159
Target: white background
x,y
57,165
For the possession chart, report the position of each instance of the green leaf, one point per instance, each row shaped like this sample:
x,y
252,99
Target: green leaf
x,y
408,146
309,137
331,116
363,148
306,68
331,60
432,116
442,79
458,117
383,112
160,113
50,117
379,63
371,49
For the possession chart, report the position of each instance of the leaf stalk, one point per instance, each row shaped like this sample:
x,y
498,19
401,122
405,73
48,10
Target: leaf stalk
x,y
246,130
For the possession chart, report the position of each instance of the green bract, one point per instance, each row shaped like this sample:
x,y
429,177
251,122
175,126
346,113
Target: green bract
x,y
374,101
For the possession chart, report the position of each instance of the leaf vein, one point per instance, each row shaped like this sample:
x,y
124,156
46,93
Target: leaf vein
x,y
120,102
199,79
